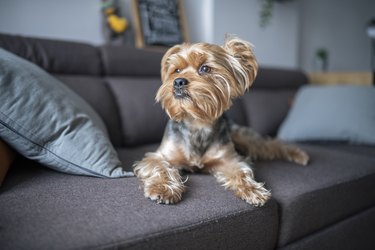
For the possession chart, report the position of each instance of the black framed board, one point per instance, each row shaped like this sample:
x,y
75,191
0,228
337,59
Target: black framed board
x,y
159,22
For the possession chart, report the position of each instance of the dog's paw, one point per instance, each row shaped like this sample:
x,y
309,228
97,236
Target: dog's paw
x,y
254,195
164,193
298,156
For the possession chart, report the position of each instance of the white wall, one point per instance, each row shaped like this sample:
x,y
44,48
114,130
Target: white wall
x,y
62,19
275,45
297,27
338,26
81,20
200,19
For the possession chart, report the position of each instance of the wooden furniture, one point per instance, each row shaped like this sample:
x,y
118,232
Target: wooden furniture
x,y
332,78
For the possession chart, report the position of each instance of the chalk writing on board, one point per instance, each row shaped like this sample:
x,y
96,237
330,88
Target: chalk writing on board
x,y
160,22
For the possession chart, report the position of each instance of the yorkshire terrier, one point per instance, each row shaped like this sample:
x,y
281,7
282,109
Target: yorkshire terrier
x,y
199,82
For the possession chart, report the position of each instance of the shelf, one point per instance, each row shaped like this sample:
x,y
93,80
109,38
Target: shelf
x,y
333,78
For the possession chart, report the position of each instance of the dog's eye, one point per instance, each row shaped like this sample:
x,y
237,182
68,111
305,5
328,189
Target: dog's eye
x,y
178,71
204,69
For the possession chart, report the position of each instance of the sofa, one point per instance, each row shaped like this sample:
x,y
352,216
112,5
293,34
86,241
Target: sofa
x,y
328,204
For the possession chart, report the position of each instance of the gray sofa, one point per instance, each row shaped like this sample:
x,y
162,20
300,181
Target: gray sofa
x,y
329,204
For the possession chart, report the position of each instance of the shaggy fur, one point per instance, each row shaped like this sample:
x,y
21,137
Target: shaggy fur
x,y
199,83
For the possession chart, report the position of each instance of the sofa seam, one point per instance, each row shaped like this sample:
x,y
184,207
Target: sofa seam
x,y
351,216
102,61
324,226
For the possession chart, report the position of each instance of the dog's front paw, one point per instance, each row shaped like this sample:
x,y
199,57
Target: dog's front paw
x,y
162,183
164,193
255,195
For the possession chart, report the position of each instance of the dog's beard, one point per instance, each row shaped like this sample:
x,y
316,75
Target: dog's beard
x,y
202,101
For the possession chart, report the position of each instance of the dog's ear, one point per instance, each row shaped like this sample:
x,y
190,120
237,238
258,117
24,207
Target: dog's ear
x,y
244,63
165,62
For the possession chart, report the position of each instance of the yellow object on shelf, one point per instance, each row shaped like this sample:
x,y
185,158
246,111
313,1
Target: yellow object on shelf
x,y
116,23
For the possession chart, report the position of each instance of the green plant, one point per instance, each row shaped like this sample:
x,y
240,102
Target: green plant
x,y
322,54
265,14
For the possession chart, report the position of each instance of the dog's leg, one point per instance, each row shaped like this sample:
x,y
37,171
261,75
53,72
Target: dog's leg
x,y
237,175
253,145
161,181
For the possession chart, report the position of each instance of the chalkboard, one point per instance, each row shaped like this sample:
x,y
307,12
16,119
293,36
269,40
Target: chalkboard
x,y
159,22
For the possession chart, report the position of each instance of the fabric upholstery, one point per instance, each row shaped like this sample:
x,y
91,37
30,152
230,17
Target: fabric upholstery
x,y
129,155
237,113
6,159
57,57
44,120
143,120
314,196
273,78
106,107
77,212
127,61
340,236
320,206
364,150
334,185
265,110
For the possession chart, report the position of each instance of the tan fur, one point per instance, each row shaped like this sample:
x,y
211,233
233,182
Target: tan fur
x,y
258,148
161,181
197,137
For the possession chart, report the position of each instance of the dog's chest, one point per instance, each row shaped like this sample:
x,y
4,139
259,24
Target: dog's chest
x,y
197,143
195,147
192,145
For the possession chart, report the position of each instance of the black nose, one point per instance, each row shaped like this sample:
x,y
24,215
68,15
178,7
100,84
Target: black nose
x,y
180,82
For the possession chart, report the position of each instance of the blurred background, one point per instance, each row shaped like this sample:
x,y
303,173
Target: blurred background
x,y
286,33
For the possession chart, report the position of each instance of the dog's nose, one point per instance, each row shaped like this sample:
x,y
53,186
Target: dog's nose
x,y
180,82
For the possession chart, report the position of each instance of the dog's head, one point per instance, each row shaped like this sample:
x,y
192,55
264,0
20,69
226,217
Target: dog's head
x,y
201,80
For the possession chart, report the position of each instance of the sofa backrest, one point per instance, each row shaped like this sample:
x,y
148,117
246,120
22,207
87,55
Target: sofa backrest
x,y
120,83
133,76
268,100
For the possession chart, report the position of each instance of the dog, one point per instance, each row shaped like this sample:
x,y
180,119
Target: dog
x,y
199,83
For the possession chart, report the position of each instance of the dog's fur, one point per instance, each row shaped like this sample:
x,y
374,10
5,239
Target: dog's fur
x,y
199,83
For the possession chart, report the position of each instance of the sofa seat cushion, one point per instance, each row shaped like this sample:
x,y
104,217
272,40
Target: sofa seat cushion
x,y
129,155
365,150
45,209
337,183
355,232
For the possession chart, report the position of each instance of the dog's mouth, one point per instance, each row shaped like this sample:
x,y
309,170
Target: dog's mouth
x,y
180,93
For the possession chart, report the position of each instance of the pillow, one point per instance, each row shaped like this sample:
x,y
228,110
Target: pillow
x,y
6,159
331,113
44,120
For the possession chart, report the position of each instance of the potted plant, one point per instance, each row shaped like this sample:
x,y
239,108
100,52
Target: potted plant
x,y
266,11
321,59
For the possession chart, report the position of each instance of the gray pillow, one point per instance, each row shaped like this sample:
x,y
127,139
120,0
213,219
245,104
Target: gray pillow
x,y
45,121
331,113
